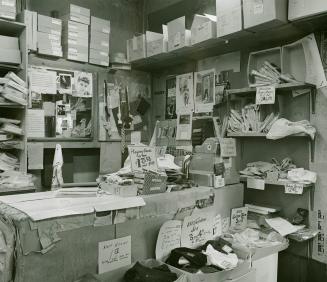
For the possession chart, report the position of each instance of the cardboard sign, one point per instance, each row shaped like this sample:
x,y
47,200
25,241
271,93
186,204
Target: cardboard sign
x,y
239,218
265,95
197,229
169,238
143,157
227,147
114,254
294,188
255,183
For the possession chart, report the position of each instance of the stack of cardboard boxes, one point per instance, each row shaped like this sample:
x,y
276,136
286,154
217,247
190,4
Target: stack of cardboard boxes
x,y
8,9
76,34
99,43
9,50
49,36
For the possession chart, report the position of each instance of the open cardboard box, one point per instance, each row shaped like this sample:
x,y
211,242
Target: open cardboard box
x,y
256,60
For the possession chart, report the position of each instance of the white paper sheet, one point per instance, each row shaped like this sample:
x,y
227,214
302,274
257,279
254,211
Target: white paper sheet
x,y
43,81
282,226
35,123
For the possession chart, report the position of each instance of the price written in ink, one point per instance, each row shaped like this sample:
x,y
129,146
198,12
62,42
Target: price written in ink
x,y
239,217
143,157
265,95
294,188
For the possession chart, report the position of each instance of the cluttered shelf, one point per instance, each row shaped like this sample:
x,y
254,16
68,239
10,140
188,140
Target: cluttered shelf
x,y
274,183
218,46
11,27
280,87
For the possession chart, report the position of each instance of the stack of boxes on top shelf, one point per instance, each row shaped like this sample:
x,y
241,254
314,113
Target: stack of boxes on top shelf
x,y
49,36
8,9
99,43
76,32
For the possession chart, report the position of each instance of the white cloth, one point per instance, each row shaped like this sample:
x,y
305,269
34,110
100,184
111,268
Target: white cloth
x,y
219,259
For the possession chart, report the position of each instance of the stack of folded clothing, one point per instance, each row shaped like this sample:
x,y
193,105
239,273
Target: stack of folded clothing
x,y
13,88
213,256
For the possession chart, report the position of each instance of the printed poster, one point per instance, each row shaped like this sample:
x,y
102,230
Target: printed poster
x,y
204,82
184,93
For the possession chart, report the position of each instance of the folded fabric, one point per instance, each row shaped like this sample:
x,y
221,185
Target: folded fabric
x,y
221,260
195,258
283,127
141,273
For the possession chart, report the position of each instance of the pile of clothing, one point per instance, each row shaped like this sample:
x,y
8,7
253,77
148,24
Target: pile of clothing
x,y
279,170
213,256
249,119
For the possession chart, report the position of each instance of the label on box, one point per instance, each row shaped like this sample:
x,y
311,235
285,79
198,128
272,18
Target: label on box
x,y
258,7
265,95
239,218
203,26
134,43
114,254
227,147
294,188
255,183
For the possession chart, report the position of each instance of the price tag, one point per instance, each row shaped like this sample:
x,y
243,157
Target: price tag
x,y
239,218
219,181
294,188
265,95
227,147
114,254
143,157
255,183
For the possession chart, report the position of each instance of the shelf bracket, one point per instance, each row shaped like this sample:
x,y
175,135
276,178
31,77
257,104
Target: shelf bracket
x,y
313,94
312,149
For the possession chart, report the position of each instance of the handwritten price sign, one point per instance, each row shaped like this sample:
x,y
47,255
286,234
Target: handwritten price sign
x,y
239,218
143,157
294,188
265,95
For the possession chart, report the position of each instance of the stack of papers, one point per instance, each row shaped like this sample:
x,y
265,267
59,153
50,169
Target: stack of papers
x,y
14,89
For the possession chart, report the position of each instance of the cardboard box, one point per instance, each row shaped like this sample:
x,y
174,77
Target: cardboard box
x,y
45,37
203,28
10,56
100,25
136,48
178,35
156,43
229,18
48,22
264,14
8,42
298,9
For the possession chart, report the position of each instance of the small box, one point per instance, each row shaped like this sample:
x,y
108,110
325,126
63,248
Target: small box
x,y
154,183
8,42
264,14
10,56
203,28
136,48
298,9
156,43
100,25
229,19
178,35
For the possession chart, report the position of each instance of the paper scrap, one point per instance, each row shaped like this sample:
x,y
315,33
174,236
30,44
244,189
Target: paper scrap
x,y
43,81
114,254
282,226
35,155
35,123
239,218
169,238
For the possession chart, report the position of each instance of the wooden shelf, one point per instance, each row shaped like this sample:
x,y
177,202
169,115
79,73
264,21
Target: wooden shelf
x,y
11,105
275,183
11,27
260,135
279,87
50,143
273,37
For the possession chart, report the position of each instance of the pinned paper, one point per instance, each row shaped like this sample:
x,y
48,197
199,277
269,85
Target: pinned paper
x,y
135,137
114,254
265,95
239,218
43,81
169,238
227,147
255,183
35,156
294,188
35,123
197,229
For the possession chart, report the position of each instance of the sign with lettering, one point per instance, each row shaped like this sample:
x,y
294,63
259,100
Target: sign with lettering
x,y
197,229
143,157
227,147
114,254
265,95
294,188
255,183
169,238
239,218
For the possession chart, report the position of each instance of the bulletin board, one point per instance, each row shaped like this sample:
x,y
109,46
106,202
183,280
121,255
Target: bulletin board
x,y
64,100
